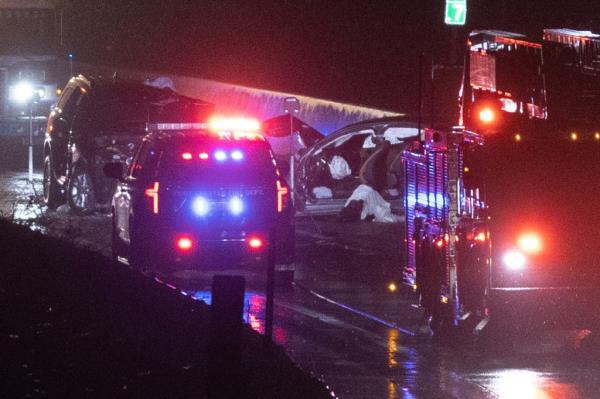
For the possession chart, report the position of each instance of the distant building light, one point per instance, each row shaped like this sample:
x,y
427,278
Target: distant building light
x,y
21,93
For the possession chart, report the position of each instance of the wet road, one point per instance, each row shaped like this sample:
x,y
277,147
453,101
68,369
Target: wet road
x,y
342,323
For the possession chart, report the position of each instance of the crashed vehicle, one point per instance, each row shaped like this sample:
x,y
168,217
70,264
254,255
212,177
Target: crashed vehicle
x,y
99,120
287,135
362,160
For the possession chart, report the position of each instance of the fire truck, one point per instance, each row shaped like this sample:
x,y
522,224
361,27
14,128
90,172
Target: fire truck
x,y
447,237
501,219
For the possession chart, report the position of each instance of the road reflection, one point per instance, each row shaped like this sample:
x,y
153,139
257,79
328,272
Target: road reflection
x,y
253,313
528,384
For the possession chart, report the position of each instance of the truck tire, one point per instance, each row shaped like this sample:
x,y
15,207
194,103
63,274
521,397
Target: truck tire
x,y
80,191
51,189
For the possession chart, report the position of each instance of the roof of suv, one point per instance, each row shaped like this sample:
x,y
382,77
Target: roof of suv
x,y
166,104
105,86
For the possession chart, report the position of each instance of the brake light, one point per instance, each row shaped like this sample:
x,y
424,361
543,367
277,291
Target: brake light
x,y
255,243
203,155
282,196
152,193
186,156
185,243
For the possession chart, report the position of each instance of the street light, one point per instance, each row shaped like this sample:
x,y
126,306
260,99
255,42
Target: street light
x,y
25,93
21,93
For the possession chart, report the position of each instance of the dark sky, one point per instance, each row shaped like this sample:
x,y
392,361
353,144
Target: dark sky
x,y
364,52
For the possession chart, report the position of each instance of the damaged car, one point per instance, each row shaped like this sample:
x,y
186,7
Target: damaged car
x,y
99,120
361,162
287,135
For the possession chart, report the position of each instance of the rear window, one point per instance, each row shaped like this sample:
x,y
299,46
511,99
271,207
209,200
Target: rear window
x,y
224,164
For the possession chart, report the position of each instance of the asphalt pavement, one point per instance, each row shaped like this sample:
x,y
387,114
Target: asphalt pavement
x,y
342,322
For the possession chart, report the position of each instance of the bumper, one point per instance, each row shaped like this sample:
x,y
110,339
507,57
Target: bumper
x,y
249,251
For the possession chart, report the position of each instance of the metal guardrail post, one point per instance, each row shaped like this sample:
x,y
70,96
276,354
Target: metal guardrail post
x,y
225,337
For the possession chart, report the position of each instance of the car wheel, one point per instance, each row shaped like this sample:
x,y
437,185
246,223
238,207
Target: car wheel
x,y
80,191
51,189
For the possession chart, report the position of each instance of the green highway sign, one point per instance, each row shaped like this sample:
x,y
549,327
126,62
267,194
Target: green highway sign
x,y
456,12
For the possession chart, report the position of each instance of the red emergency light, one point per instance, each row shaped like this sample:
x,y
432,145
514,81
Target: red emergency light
x,y
184,243
255,243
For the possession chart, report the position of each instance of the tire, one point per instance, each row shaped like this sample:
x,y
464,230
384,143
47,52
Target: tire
x,y
80,191
51,189
441,325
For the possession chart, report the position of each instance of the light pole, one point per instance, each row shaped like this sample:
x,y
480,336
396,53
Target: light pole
x,y
24,93
291,106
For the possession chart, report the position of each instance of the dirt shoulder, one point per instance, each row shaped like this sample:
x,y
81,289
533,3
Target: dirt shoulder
x,y
76,325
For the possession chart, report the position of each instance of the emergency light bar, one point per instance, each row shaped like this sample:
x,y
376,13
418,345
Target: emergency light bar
x,y
226,128
220,124
176,126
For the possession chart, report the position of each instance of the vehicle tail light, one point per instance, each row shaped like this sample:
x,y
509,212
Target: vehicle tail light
x,y
152,193
282,196
203,155
530,243
255,243
184,243
186,156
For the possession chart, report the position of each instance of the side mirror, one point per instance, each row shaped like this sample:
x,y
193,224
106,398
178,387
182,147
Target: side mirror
x,y
115,170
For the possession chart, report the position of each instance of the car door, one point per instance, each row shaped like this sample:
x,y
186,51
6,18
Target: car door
x,y
324,193
127,199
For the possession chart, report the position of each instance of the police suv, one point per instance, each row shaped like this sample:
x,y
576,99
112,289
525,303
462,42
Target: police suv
x,y
202,196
